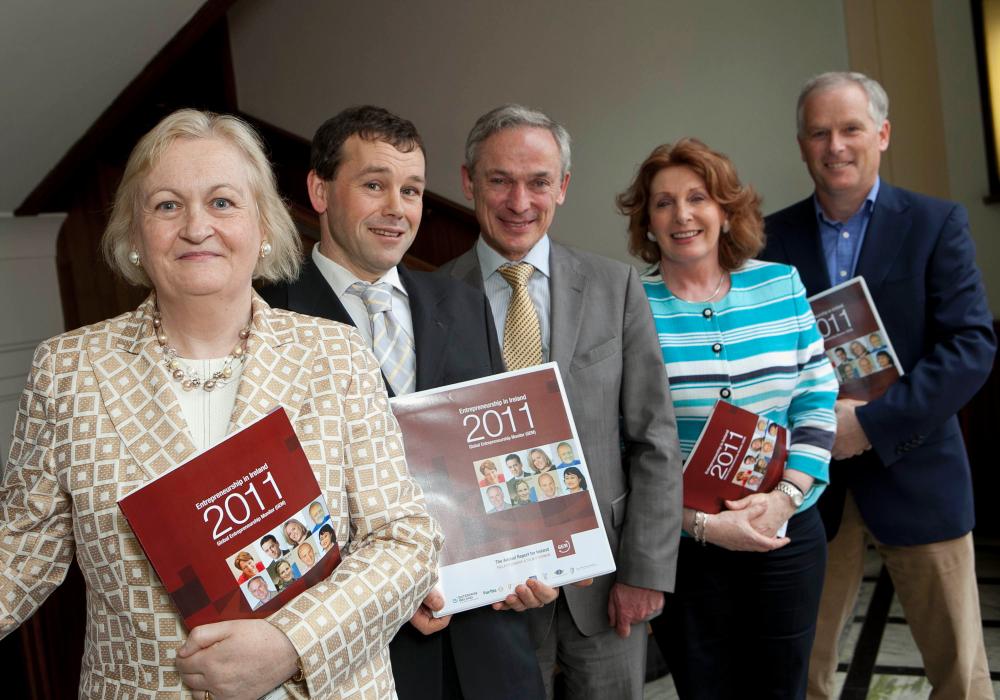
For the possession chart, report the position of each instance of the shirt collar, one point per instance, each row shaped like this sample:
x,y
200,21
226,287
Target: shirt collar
x,y
490,260
866,205
340,278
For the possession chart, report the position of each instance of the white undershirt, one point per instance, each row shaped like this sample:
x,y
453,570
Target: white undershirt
x,y
208,413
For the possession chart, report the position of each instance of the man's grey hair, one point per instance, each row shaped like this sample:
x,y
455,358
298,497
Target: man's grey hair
x,y
511,116
878,100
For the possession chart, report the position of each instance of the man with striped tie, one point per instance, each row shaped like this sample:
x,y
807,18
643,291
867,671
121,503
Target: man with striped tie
x,y
426,330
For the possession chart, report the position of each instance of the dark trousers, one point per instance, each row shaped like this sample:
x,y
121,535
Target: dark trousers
x,y
482,655
741,624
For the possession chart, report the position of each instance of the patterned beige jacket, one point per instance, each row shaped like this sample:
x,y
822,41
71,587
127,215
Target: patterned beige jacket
x,y
99,417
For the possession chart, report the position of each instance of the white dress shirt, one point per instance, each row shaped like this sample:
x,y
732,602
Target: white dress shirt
x,y
340,278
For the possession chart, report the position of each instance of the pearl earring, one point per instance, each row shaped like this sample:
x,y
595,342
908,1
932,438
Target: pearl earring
x,y
133,257
650,236
265,249
725,227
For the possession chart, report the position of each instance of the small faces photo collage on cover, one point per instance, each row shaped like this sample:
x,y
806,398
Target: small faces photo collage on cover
x,y
860,357
266,567
751,472
526,477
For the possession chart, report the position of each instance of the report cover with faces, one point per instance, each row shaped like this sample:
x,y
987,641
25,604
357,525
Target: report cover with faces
x,y
501,467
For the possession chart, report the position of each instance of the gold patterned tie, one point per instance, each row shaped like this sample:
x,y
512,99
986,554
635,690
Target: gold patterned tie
x,y
522,335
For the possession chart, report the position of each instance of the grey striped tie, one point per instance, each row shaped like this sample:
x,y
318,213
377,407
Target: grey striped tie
x,y
392,347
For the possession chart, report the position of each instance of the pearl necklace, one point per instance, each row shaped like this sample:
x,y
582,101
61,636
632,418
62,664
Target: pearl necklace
x,y
188,378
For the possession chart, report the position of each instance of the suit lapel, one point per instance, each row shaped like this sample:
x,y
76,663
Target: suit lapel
x,y
466,268
431,329
277,369
311,295
888,229
139,396
803,245
566,287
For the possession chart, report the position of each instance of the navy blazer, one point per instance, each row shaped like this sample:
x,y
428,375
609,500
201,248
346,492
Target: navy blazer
x,y
455,340
914,486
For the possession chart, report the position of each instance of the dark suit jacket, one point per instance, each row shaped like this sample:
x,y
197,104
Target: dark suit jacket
x,y
914,486
455,341
605,343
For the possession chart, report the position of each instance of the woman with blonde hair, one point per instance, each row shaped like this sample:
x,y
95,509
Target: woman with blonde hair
x,y
111,406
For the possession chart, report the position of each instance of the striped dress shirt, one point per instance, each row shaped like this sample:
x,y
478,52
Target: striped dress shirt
x,y
757,348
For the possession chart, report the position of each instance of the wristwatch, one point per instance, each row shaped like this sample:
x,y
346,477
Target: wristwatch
x,y
792,491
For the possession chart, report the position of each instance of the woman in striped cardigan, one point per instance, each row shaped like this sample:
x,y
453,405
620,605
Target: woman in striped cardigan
x,y
742,618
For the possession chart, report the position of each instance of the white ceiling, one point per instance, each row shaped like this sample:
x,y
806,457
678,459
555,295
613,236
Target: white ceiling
x,y
61,65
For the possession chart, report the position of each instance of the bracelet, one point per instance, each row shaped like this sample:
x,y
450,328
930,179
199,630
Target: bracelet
x,y
300,674
793,485
700,520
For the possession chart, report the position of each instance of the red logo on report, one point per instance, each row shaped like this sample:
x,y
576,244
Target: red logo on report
x,y
564,547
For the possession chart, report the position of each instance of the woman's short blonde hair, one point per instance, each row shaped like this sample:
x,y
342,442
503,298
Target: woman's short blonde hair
x,y
740,202
275,222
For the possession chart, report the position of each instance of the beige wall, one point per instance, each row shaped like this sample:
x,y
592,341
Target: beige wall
x,y
32,311
964,140
624,77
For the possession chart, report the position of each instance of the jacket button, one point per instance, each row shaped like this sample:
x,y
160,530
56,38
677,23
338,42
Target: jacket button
x,y
725,393
717,347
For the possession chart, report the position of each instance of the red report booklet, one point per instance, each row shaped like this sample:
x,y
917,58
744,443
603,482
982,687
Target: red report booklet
x,y
855,340
500,464
238,530
737,454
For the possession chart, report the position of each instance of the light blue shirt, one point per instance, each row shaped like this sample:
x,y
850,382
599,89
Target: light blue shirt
x,y
498,291
842,240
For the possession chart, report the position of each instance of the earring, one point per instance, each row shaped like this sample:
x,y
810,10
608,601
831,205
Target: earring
x,y
650,236
725,227
265,249
133,257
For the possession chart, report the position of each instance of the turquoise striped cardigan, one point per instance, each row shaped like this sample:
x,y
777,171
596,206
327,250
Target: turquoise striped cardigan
x,y
758,348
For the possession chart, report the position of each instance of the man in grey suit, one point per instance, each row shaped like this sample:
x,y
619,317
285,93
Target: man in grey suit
x,y
590,315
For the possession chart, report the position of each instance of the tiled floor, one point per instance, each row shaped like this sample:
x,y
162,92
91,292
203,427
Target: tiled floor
x,y
898,671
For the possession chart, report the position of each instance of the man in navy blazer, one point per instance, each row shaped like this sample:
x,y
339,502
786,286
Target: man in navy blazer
x,y
366,184
901,475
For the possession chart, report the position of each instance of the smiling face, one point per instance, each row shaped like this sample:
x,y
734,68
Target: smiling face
x,y
523,493
540,461
516,187
685,220
572,481
840,144
515,467
295,532
198,228
248,567
307,554
370,211
258,589
271,548
547,484
489,472
565,453
325,539
316,513
285,571
495,494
